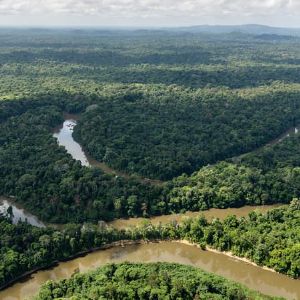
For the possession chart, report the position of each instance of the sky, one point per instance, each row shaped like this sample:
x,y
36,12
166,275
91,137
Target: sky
x,y
148,13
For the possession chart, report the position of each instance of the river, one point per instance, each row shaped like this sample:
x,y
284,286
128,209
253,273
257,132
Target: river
x,y
208,214
256,278
19,213
64,136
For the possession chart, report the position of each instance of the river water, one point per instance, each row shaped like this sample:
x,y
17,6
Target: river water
x,y
19,213
254,277
64,136
265,281
208,214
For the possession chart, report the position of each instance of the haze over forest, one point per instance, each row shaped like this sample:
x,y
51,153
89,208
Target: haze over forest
x,y
146,156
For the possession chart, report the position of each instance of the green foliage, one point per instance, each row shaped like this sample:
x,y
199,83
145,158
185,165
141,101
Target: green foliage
x,y
146,281
271,240
162,133
154,130
24,247
152,104
46,179
268,175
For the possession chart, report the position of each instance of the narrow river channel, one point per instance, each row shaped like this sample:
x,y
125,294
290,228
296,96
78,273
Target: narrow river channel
x,y
19,213
254,277
64,136
208,214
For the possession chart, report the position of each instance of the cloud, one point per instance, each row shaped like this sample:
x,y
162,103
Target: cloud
x,y
151,12
149,7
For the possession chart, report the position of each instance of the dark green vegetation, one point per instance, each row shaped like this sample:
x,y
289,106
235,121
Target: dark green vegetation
x,y
146,281
95,57
24,247
271,240
49,182
272,172
153,104
161,132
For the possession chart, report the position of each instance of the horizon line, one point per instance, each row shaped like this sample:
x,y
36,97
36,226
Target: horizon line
x,y
126,27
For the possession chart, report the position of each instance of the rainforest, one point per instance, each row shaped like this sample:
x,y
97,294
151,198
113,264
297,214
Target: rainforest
x,y
168,122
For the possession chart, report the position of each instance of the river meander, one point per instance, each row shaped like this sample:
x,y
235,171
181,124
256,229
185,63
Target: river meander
x,y
254,277
19,213
64,136
257,278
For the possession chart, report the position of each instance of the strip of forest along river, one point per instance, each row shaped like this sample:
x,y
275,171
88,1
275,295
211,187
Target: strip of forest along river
x,y
254,277
238,270
64,136
20,214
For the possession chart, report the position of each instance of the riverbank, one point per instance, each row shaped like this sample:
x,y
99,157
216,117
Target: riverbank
x,y
151,251
124,243
20,212
121,243
230,254
64,136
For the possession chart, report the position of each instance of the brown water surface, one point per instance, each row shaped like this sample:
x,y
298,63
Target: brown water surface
x,y
256,278
209,214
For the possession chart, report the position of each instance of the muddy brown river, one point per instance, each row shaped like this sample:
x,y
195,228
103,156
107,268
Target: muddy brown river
x,y
253,277
208,214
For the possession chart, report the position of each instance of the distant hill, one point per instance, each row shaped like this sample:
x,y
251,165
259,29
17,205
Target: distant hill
x,y
259,31
248,29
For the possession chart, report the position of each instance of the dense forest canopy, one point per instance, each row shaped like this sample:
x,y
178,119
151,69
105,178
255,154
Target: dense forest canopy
x,y
271,239
44,178
165,105
146,281
162,132
197,111
35,60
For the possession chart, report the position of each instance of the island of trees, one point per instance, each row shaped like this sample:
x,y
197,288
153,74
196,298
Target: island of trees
x,y
270,240
147,281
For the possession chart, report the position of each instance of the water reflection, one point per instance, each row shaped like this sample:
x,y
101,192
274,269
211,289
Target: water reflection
x,y
254,277
19,213
65,138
